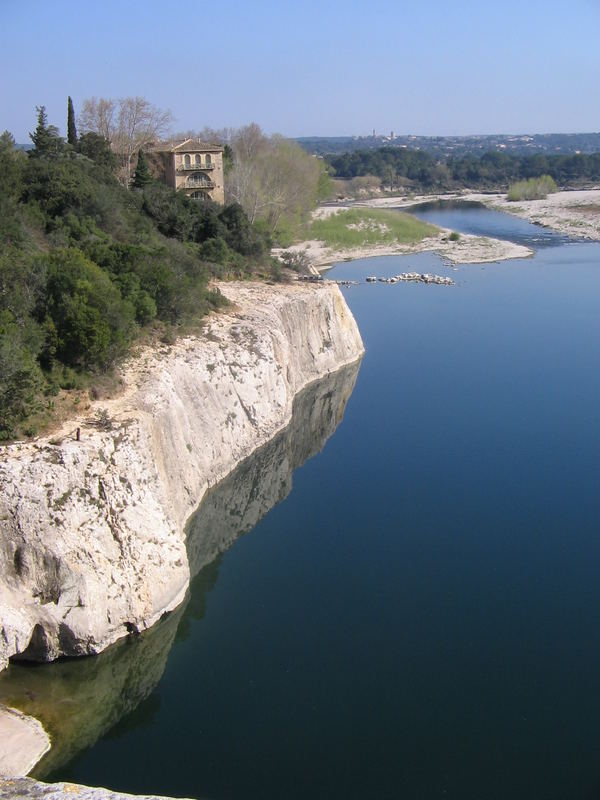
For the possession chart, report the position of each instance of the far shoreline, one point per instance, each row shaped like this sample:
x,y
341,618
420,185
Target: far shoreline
x,y
573,213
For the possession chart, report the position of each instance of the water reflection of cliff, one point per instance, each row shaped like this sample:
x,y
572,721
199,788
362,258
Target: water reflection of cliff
x,y
241,500
80,700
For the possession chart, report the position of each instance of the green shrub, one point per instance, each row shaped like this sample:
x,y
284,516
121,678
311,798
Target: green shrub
x,y
532,189
57,187
298,260
93,323
21,380
239,233
96,148
215,250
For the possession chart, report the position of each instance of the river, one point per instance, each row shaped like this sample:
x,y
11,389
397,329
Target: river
x,y
418,617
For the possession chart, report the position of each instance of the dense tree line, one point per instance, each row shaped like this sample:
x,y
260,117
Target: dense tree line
x,y
419,170
85,264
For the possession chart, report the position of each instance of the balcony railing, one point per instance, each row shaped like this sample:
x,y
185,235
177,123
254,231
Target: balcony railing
x,y
189,167
196,184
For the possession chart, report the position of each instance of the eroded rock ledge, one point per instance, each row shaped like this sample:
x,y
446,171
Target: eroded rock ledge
x,y
28,789
92,532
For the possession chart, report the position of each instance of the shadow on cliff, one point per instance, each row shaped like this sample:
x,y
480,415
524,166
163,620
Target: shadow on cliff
x,y
79,700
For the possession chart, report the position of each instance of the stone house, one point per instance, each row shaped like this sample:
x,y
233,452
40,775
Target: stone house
x,y
190,166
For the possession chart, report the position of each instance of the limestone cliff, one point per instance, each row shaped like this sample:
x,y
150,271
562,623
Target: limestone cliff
x,y
79,700
92,542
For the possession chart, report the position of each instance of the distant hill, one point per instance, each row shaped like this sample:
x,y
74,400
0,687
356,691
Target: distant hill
x,y
448,146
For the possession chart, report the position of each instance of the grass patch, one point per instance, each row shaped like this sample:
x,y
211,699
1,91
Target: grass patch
x,y
358,227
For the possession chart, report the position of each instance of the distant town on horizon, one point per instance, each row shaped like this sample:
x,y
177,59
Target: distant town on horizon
x,y
447,146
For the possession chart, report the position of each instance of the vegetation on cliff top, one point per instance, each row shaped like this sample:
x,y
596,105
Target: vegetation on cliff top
x,y
86,265
274,180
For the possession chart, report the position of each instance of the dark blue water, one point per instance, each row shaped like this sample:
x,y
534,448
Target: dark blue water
x,y
475,218
420,617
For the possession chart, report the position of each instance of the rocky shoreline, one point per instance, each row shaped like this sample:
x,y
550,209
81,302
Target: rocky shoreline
x,y
93,527
79,700
29,789
114,482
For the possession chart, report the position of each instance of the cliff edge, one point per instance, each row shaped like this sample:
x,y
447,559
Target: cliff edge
x,y
92,542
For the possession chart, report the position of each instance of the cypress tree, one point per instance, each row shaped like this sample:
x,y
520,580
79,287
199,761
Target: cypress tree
x,y
142,175
71,129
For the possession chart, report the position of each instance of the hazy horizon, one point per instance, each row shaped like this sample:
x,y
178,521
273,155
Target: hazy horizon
x,y
311,70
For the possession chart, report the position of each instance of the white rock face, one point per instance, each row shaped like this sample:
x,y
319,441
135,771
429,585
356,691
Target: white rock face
x,y
92,531
24,742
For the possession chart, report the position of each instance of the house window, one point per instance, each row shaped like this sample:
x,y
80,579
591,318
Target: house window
x,y
208,159
187,160
199,196
198,158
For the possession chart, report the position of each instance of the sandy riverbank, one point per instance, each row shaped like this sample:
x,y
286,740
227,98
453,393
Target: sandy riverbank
x,y
573,213
467,250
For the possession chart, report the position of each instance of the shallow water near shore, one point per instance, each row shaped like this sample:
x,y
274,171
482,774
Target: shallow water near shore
x,y
471,217
417,614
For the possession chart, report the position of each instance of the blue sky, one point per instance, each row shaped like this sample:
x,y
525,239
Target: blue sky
x,y
311,68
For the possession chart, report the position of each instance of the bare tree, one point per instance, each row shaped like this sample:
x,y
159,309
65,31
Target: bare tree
x,y
219,136
271,177
98,116
291,181
245,181
129,124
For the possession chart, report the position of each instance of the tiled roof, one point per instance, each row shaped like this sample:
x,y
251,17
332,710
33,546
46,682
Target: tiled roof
x,y
186,146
